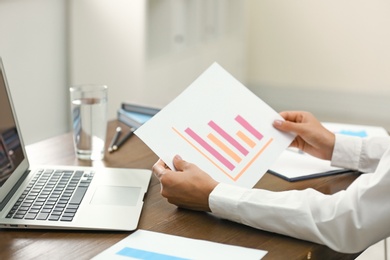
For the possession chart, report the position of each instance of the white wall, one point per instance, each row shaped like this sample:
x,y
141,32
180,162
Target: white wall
x,y
107,47
185,37
330,57
32,46
133,46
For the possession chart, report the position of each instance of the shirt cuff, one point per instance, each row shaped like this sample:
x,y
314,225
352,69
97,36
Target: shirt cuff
x,y
346,152
223,201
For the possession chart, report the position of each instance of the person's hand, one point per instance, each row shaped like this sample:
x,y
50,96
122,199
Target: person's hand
x,y
188,187
312,137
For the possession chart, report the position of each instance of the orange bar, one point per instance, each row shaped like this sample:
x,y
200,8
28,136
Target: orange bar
x,y
246,139
226,149
202,153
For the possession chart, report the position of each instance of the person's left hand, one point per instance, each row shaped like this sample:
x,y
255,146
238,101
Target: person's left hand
x,y
188,187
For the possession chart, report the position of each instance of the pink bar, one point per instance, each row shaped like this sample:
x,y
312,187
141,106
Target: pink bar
x,y
210,149
228,138
249,127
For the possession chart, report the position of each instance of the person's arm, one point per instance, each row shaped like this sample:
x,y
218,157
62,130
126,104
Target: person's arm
x,y
348,221
362,154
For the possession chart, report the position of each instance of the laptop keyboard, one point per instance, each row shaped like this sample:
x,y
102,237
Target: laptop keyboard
x,y
53,195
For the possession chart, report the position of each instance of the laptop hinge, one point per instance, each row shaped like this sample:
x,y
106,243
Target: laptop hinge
x,y
13,190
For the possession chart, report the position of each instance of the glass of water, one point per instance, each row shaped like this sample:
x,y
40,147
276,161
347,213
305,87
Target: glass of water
x,y
89,120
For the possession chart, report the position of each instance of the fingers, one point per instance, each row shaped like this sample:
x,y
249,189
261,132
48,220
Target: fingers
x,y
294,116
279,124
159,168
286,126
179,163
294,121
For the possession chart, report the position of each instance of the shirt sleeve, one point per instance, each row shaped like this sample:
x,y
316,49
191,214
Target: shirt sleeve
x,y
356,153
348,221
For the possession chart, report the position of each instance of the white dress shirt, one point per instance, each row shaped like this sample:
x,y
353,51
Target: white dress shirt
x,y
348,221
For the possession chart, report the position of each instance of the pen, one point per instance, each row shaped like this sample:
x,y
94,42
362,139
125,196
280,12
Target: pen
x,y
124,139
115,138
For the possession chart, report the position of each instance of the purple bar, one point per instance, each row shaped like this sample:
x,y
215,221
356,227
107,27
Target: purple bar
x,y
249,127
228,138
210,149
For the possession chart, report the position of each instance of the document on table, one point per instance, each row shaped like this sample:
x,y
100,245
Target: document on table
x,y
294,165
221,126
144,244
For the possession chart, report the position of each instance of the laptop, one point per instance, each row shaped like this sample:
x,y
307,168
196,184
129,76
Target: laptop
x,y
62,197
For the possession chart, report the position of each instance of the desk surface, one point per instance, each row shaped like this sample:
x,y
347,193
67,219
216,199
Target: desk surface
x,y
158,215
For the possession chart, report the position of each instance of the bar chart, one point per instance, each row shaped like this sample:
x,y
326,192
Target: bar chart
x,y
230,151
220,126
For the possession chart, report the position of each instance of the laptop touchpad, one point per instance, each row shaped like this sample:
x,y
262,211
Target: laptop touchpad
x,y
116,196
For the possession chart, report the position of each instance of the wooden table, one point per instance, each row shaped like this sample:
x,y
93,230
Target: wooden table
x,y
158,215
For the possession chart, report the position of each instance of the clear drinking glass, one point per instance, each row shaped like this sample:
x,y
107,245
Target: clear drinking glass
x,y
89,120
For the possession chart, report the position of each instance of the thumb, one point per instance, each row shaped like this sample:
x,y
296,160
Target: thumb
x,y
286,126
179,163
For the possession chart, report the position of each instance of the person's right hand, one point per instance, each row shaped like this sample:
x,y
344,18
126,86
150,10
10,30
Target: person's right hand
x,y
312,137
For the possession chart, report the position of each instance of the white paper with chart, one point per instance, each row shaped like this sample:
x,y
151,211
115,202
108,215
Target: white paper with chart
x,y
221,126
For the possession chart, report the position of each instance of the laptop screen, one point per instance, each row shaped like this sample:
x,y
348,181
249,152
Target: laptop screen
x,y
11,152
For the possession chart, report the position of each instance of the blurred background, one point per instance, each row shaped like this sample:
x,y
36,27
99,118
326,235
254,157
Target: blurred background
x,y
329,57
